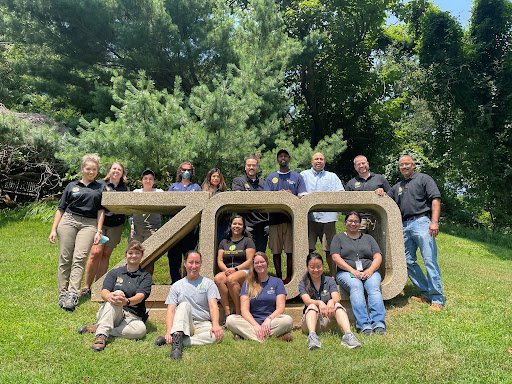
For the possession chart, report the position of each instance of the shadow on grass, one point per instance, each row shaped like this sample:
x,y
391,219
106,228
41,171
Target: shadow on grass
x,y
498,243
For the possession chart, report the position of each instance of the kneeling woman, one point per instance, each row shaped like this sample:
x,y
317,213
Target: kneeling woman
x,y
125,291
233,259
358,259
322,304
262,300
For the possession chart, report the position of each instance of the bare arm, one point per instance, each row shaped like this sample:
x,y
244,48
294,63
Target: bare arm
x,y
436,214
249,253
214,313
56,221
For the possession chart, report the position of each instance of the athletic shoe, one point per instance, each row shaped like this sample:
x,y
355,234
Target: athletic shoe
x,y
62,298
313,341
70,301
350,341
367,332
380,331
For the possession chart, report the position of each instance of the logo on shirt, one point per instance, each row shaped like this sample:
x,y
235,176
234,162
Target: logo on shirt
x,y
275,180
357,184
271,291
75,189
247,186
232,247
119,280
290,181
400,190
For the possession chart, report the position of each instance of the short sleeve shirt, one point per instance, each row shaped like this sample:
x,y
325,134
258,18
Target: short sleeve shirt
x,y
130,283
180,187
264,304
197,293
327,287
113,219
373,182
414,196
82,200
278,181
243,183
150,221
363,248
234,251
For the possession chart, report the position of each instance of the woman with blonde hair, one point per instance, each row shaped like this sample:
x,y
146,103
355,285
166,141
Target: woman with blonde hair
x,y
78,224
97,264
262,300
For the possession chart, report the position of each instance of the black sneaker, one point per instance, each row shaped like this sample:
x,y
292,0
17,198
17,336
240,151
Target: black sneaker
x,y
380,331
367,332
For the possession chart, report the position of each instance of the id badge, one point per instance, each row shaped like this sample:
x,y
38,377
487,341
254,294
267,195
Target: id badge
x,y
359,265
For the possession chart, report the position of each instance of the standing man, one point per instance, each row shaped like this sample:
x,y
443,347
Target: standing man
x,y
184,176
256,222
367,181
419,201
192,316
280,234
321,225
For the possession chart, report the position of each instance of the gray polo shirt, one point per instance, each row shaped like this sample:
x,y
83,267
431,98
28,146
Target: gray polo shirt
x,y
414,196
373,182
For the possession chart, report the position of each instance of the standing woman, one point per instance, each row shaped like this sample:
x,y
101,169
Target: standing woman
x,y
358,259
78,224
214,183
97,264
234,259
322,305
262,299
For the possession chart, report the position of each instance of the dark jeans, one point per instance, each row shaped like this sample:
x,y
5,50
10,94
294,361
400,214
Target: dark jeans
x,y
260,236
176,253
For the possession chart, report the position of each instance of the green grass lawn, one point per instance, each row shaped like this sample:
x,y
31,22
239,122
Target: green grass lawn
x,y
470,342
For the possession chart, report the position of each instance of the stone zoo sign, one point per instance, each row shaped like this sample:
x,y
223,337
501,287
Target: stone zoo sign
x,y
192,208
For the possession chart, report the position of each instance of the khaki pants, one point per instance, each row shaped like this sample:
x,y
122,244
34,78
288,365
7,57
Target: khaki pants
x,y
76,235
113,320
279,326
196,332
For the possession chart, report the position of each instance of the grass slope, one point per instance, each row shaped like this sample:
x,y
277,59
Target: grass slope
x,y
468,343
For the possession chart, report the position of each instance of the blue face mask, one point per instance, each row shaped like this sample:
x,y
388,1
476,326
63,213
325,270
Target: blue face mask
x,y
186,175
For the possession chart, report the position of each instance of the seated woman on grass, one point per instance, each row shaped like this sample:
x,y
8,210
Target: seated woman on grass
x,y
125,290
322,305
233,259
358,259
262,300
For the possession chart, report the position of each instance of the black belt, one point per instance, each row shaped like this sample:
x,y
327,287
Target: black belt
x,y
416,217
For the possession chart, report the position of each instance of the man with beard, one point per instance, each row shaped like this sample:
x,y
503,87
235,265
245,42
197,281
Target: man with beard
x,y
256,222
281,229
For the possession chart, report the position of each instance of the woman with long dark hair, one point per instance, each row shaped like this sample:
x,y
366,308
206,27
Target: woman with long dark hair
x,y
322,308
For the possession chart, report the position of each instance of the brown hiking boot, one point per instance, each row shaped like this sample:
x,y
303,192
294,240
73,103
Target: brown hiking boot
x,y
100,343
285,337
436,307
420,299
87,329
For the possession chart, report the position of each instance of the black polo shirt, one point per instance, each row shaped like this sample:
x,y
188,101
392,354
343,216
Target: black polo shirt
x,y
414,196
130,283
82,200
112,219
243,183
373,182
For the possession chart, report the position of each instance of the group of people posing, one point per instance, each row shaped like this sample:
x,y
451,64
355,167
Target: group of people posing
x,y
85,228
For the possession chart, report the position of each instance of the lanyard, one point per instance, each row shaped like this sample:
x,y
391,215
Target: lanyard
x,y
319,292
